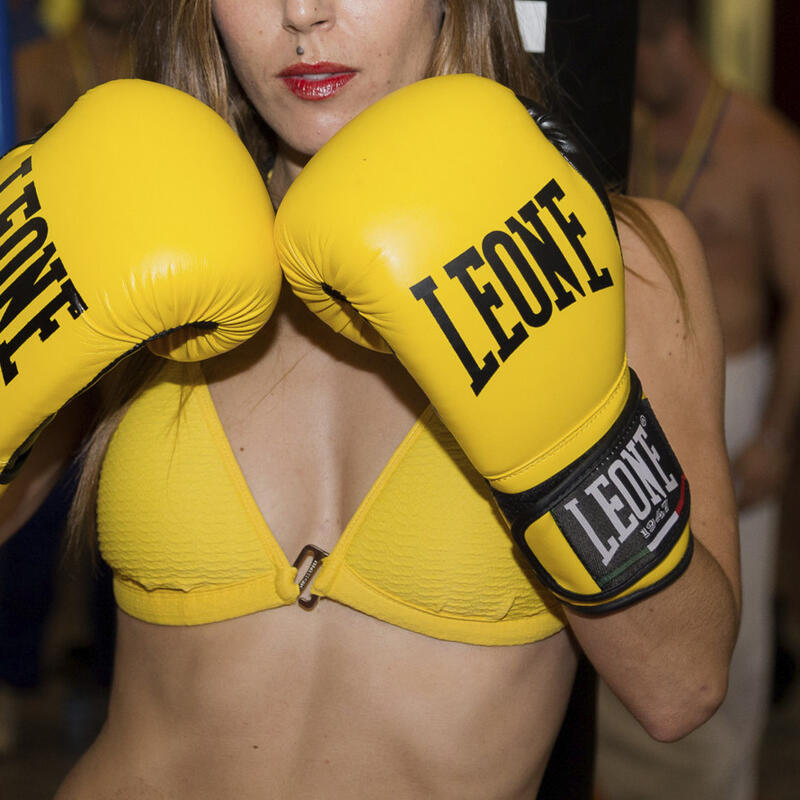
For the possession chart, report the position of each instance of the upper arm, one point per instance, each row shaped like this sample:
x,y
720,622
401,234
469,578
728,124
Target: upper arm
x,y
48,459
676,349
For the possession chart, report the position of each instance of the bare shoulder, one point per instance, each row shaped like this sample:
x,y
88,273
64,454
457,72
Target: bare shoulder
x,y
668,291
770,139
673,334
676,230
761,121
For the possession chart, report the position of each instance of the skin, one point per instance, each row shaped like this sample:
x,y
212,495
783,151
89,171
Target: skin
x,y
388,48
195,712
334,703
743,207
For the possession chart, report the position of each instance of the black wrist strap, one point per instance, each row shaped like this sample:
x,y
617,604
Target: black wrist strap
x,y
621,506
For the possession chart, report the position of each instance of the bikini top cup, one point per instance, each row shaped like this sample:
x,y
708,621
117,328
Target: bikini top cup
x,y
425,550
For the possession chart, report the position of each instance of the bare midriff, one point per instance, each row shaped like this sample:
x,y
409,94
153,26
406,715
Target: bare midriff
x,y
329,703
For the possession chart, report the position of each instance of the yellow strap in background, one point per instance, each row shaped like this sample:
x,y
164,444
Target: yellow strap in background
x,y
59,16
698,146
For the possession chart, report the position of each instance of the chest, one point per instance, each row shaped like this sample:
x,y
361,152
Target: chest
x,y
725,214
719,192
312,431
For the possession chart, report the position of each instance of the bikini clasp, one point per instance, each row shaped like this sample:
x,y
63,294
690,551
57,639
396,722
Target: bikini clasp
x,y
316,554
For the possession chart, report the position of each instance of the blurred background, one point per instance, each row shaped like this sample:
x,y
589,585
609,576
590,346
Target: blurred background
x,y
56,614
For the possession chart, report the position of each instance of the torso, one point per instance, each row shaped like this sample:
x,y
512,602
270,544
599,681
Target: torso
x,y
724,206
330,703
333,703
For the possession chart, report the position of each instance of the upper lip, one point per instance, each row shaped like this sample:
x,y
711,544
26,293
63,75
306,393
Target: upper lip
x,y
301,68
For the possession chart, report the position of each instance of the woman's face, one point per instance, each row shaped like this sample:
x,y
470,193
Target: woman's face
x,y
353,53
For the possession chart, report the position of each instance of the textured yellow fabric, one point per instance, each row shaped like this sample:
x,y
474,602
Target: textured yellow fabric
x,y
176,521
425,550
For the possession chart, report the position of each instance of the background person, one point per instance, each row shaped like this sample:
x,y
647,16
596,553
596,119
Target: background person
x,y
733,166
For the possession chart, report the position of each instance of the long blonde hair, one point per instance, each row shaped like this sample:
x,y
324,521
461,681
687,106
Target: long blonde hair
x,y
178,44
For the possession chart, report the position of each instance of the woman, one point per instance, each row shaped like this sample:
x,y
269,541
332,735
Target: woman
x,y
273,701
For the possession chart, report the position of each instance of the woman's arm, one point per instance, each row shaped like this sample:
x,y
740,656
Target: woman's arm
x,y
48,459
667,656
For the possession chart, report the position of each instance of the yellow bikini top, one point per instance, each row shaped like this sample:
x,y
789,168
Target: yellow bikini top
x,y
426,549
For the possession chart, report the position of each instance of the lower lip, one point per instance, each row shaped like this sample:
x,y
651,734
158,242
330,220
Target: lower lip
x,y
320,89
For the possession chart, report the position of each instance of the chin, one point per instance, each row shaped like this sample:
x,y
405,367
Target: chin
x,y
317,135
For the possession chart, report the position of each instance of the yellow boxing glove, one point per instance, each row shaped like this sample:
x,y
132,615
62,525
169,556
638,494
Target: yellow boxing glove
x,y
444,218
137,214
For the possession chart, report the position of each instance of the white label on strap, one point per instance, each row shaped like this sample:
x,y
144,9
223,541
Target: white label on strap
x,y
532,18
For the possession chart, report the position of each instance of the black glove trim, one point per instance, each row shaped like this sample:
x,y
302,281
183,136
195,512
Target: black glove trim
x,y
621,507
559,135
634,597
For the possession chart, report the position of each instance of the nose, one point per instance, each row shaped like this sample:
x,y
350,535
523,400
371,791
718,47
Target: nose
x,y
303,16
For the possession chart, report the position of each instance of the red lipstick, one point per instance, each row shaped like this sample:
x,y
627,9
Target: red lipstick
x,y
316,81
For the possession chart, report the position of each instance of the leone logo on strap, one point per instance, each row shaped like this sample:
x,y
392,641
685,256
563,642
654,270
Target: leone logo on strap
x,y
621,507
629,511
33,282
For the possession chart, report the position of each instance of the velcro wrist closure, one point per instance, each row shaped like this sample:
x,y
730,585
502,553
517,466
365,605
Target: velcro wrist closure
x,y
614,525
